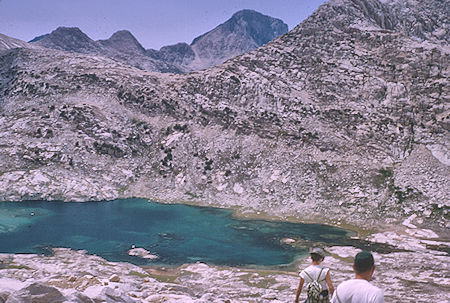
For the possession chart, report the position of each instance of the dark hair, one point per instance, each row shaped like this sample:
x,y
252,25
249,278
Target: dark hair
x,y
363,262
316,257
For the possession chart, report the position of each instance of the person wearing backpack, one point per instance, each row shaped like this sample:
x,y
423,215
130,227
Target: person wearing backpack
x,y
359,289
317,279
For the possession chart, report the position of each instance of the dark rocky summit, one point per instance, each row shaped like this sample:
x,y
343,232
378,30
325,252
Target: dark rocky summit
x,y
121,46
343,119
180,54
123,41
244,31
70,39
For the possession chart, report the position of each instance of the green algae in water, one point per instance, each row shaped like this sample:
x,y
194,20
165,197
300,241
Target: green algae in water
x,y
178,234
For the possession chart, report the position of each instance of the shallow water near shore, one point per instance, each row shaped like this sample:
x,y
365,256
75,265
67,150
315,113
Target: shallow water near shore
x,y
176,233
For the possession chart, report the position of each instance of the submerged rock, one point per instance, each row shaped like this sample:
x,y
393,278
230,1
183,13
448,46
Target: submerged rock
x,y
143,253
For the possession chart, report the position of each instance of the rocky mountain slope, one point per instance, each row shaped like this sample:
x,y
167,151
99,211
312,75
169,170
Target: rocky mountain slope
x,y
9,42
343,119
70,39
246,30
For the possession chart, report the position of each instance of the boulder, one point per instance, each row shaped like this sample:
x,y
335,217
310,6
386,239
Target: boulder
x,y
114,278
142,252
4,296
79,298
37,293
110,295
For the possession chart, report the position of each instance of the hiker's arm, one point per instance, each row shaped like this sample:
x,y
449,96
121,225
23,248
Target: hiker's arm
x,y
330,285
299,290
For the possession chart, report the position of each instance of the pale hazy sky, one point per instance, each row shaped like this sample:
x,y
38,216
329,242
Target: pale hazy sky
x,y
154,23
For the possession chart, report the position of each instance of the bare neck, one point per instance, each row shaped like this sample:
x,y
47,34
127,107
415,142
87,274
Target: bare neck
x,y
364,276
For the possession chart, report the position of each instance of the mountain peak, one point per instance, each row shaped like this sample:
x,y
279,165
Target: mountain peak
x,y
122,34
68,39
245,13
244,31
69,30
262,28
73,33
123,41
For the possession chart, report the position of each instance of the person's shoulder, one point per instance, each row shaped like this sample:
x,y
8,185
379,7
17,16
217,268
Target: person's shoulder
x,y
350,283
377,290
378,294
364,284
310,267
374,288
318,269
324,269
306,269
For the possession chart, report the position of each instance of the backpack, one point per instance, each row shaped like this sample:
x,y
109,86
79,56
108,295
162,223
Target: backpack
x,y
313,289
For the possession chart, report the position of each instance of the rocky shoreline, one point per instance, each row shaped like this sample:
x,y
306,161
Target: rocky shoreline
x,y
412,266
418,273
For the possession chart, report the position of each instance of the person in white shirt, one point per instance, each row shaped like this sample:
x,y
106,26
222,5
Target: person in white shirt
x,y
318,273
359,289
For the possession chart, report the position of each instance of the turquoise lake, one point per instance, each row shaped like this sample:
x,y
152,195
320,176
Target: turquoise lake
x,y
178,234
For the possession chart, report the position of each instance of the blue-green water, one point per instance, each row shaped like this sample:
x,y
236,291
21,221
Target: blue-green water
x,y
176,233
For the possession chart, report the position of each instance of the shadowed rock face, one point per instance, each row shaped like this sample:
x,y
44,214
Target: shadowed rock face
x,y
70,39
121,46
123,41
179,54
39,293
256,26
427,23
400,15
245,31
340,119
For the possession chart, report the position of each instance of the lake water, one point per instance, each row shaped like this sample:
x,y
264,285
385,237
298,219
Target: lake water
x,y
178,234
